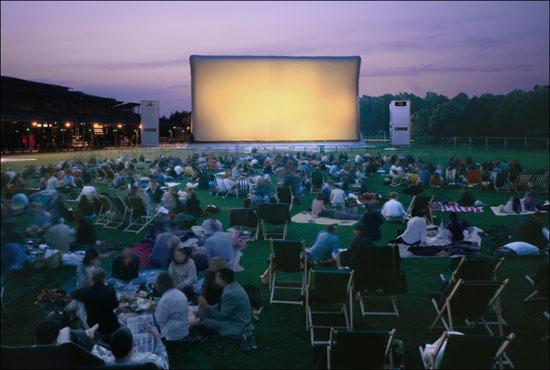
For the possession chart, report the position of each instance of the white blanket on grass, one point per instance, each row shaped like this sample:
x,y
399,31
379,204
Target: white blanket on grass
x,y
307,218
497,212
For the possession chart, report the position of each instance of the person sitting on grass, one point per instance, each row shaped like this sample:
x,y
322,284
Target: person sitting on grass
x,y
125,270
210,290
233,315
172,313
100,301
393,210
48,332
123,353
183,271
318,209
528,202
349,256
326,246
42,221
456,226
512,206
373,220
416,230
466,198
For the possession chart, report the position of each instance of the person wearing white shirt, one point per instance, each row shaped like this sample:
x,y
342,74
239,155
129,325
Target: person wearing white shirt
x,y
337,198
416,231
393,209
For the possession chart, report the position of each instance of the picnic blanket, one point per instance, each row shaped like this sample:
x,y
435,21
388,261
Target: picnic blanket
x,y
455,207
456,249
306,218
496,211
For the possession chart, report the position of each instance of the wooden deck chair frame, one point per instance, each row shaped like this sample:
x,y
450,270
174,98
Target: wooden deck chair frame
x,y
533,295
105,210
446,310
139,222
364,312
428,215
387,352
523,182
122,212
309,312
463,259
505,187
499,355
289,285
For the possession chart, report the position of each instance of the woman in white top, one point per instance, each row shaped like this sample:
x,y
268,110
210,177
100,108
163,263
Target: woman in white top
x,y
416,231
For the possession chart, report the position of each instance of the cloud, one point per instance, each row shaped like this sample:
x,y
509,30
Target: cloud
x,y
433,69
117,66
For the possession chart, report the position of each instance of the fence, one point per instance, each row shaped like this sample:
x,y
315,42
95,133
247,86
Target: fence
x,y
477,142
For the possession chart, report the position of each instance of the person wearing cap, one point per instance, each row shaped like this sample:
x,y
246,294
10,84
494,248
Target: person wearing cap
x,y
360,240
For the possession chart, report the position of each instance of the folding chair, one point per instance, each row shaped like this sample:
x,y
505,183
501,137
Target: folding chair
x,y
540,291
139,217
468,352
105,210
474,178
420,202
316,183
274,214
470,301
244,217
242,186
502,182
360,349
287,256
284,194
523,182
100,174
540,183
333,288
473,268
377,275
118,214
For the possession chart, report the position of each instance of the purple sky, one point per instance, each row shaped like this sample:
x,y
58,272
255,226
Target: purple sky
x,y
139,50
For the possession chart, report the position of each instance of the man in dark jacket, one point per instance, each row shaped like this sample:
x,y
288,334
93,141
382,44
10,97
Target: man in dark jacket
x,y
125,269
372,220
100,301
361,240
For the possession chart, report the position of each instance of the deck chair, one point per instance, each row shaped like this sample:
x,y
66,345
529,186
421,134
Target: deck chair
x,y
420,202
450,177
333,288
470,301
287,257
523,182
100,174
474,178
53,356
119,213
316,183
377,275
502,181
473,268
284,194
242,186
139,217
360,349
109,175
245,218
468,352
274,214
540,288
540,183
105,210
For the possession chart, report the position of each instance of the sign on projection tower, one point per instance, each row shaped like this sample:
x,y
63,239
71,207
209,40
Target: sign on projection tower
x,y
256,98
149,110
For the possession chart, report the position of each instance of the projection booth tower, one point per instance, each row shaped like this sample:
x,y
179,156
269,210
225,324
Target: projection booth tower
x,y
400,122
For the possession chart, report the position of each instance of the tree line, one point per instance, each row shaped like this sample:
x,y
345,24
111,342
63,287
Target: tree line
x,y
518,113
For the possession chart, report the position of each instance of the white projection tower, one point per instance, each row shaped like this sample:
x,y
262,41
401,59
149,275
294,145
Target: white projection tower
x,y
149,110
400,122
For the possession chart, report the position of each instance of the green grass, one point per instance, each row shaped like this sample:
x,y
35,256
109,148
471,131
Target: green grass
x,y
281,336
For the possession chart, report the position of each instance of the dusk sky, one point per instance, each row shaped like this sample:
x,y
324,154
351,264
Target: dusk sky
x,y
140,50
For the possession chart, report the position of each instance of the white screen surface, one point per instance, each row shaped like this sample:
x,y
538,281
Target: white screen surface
x,y
274,98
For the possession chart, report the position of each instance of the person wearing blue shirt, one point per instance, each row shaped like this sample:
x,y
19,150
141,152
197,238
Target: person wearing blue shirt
x,y
326,245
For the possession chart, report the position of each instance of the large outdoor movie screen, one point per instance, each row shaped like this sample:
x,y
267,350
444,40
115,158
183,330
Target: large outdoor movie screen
x,y
250,98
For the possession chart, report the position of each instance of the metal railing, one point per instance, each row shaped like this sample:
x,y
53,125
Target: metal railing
x,y
476,142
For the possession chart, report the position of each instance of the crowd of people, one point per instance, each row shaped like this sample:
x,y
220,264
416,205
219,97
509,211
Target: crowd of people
x,y
199,262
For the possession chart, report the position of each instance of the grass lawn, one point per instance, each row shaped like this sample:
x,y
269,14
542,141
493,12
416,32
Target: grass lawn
x,y
281,336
